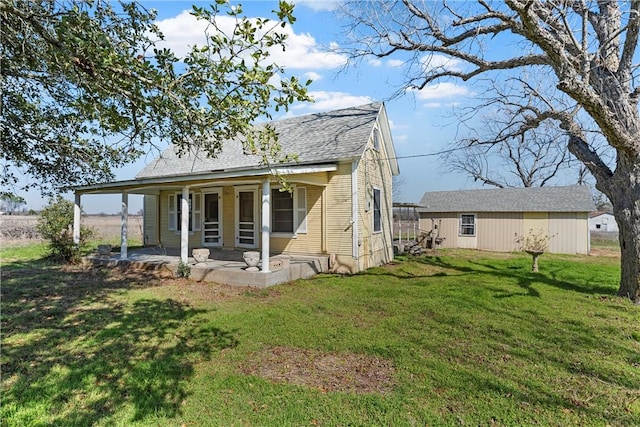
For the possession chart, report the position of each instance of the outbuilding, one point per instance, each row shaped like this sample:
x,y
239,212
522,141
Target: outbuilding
x,y
495,219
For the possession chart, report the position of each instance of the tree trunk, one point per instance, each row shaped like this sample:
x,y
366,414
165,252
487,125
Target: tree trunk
x,y
625,198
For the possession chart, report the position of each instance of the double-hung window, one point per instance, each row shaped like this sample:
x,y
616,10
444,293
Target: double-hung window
x,y
289,211
467,225
377,211
195,212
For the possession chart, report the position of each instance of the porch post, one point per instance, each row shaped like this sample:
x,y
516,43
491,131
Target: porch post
x,y
266,223
184,224
124,217
76,220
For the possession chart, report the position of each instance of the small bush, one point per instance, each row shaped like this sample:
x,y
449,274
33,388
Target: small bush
x,y
56,225
184,270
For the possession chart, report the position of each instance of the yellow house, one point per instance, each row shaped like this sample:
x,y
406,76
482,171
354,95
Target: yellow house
x,y
340,201
494,219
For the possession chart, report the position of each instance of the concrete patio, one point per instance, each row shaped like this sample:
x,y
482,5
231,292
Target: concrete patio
x,y
222,266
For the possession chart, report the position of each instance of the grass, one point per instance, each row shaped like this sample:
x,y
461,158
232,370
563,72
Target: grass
x,y
473,338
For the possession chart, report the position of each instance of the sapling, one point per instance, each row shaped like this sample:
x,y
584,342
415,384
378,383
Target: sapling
x,y
535,243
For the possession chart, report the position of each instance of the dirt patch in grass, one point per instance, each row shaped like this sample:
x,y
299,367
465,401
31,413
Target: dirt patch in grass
x,y
328,372
605,252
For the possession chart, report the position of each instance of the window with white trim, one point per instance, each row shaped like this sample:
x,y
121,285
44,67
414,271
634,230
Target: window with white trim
x,y
289,211
175,212
467,225
376,139
377,210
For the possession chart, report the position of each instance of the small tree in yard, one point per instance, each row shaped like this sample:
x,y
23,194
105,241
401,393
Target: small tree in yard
x,y
55,225
535,242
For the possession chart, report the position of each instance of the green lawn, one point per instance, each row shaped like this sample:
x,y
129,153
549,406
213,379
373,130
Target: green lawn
x,y
464,338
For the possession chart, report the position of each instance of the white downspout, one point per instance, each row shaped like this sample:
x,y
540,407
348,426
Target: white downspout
x,y
76,220
184,224
354,209
124,217
266,223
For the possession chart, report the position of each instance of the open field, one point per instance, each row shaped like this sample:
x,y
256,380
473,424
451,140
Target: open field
x,y
463,338
17,230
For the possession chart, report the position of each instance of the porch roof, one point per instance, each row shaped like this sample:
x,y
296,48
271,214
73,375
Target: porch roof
x,y
151,185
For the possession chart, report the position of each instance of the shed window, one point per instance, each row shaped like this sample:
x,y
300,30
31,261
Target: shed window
x,y
467,225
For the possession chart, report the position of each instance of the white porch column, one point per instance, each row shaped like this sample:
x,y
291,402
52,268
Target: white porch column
x,y
184,224
124,217
76,220
266,223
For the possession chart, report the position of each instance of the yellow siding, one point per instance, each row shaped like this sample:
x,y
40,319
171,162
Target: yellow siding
x,y
536,221
150,220
498,231
563,232
338,192
228,217
583,240
170,238
374,172
310,242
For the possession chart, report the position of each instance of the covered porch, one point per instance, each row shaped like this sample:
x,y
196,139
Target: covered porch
x,y
222,266
225,212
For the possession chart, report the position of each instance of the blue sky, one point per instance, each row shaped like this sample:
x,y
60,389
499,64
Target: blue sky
x,y
419,122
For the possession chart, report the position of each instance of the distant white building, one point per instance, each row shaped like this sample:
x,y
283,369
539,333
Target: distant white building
x,y
603,221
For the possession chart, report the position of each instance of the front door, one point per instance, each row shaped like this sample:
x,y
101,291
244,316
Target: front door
x,y
246,218
212,230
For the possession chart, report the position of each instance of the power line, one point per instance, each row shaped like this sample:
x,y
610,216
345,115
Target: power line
x,y
436,153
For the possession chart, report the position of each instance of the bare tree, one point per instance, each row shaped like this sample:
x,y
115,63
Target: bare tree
x,y
532,159
588,51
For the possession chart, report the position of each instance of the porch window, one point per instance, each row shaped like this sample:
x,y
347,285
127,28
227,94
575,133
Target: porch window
x,y
195,212
289,211
467,225
377,211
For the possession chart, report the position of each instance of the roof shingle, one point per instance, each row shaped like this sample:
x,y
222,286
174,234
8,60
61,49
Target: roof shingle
x,y
532,199
315,138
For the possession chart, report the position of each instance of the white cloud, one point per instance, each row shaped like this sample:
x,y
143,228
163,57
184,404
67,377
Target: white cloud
x,y
327,101
403,137
395,63
302,52
433,62
441,91
375,62
313,76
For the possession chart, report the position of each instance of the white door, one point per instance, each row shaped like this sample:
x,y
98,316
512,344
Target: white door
x,y
246,215
212,230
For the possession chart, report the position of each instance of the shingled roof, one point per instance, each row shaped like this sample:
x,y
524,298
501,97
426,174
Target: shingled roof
x,y
315,138
532,199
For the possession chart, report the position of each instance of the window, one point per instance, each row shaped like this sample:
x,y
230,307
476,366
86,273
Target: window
x,y
281,211
289,211
467,225
175,212
377,211
376,139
